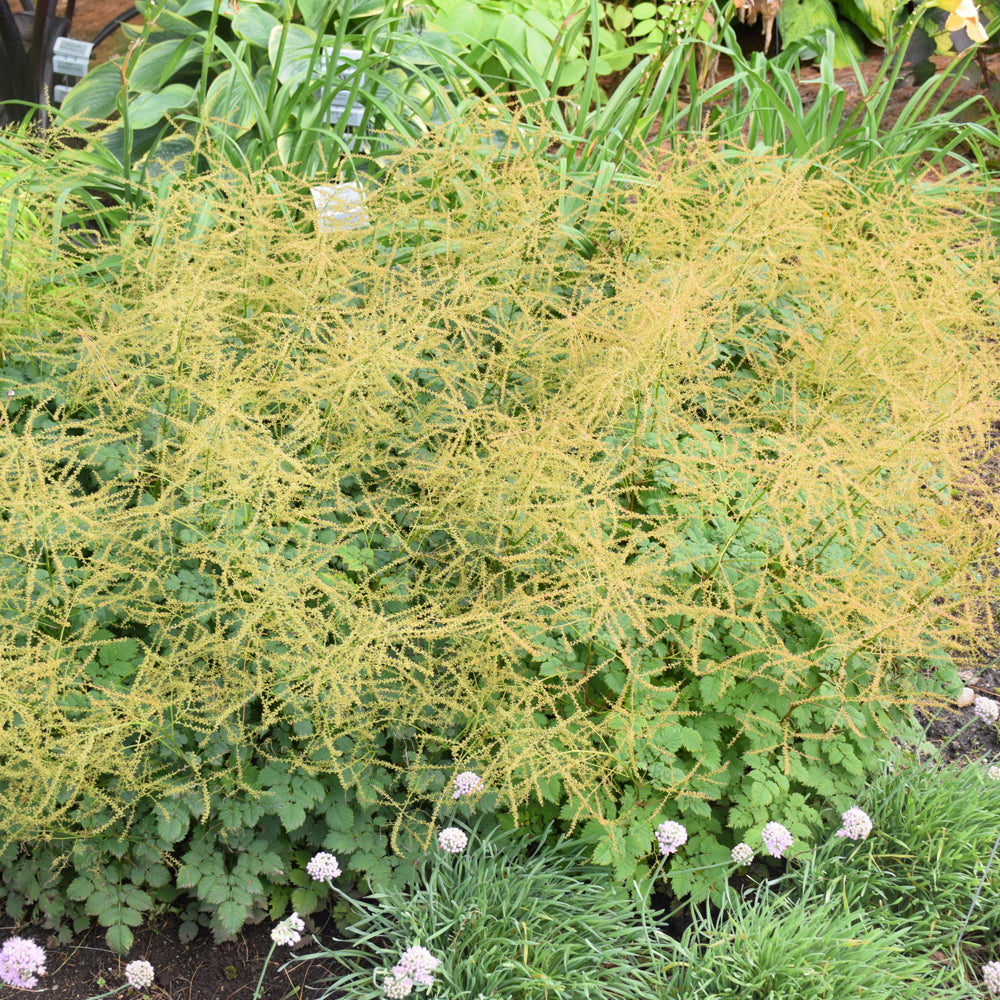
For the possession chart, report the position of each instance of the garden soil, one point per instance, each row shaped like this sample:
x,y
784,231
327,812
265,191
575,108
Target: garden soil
x,y
201,970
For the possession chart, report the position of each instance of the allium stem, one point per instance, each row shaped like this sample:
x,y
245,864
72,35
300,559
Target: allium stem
x,y
267,962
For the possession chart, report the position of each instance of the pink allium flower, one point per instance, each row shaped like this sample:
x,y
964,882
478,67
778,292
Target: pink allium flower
x,y
397,986
742,854
453,840
287,932
323,867
670,836
466,783
777,839
417,964
986,709
991,976
856,824
139,975
21,963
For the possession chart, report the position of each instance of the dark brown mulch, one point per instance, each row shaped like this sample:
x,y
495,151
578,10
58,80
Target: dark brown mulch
x,y
957,734
200,970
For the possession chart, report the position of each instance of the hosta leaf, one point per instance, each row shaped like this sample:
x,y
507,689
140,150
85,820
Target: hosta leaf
x,y
158,62
148,109
95,96
255,25
291,61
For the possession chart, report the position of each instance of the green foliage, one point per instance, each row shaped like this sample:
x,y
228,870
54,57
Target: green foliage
x,y
262,79
802,20
548,35
538,30
881,22
297,526
934,830
805,946
505,918
761,107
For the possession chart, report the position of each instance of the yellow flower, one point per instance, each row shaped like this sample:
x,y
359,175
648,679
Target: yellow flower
x,y
963,14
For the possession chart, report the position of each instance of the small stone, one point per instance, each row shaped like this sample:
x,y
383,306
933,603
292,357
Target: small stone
x,y
966,698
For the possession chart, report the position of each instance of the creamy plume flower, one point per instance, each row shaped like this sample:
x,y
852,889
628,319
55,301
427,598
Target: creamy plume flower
x,y
670,836
856,824
323,867
139,975
287,932
777,839
21,963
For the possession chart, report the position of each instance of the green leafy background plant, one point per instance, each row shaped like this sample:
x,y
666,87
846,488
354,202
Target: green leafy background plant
x,y
296,527
262,78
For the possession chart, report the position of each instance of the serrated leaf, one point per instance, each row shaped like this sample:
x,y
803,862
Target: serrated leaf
x,y
292,816
187,931
137,898
119,939
80,888
339,816
339,843
213,889
99,902
157,876
304,900
173,828
188,876
240,895
232,916
760,793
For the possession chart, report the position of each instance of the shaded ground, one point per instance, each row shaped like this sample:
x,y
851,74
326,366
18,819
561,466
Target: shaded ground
x,y
957,733
197,971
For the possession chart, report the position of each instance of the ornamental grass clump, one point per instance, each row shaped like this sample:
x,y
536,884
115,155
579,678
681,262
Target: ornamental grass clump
x,y
927,862
298,528
803,945
509,916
